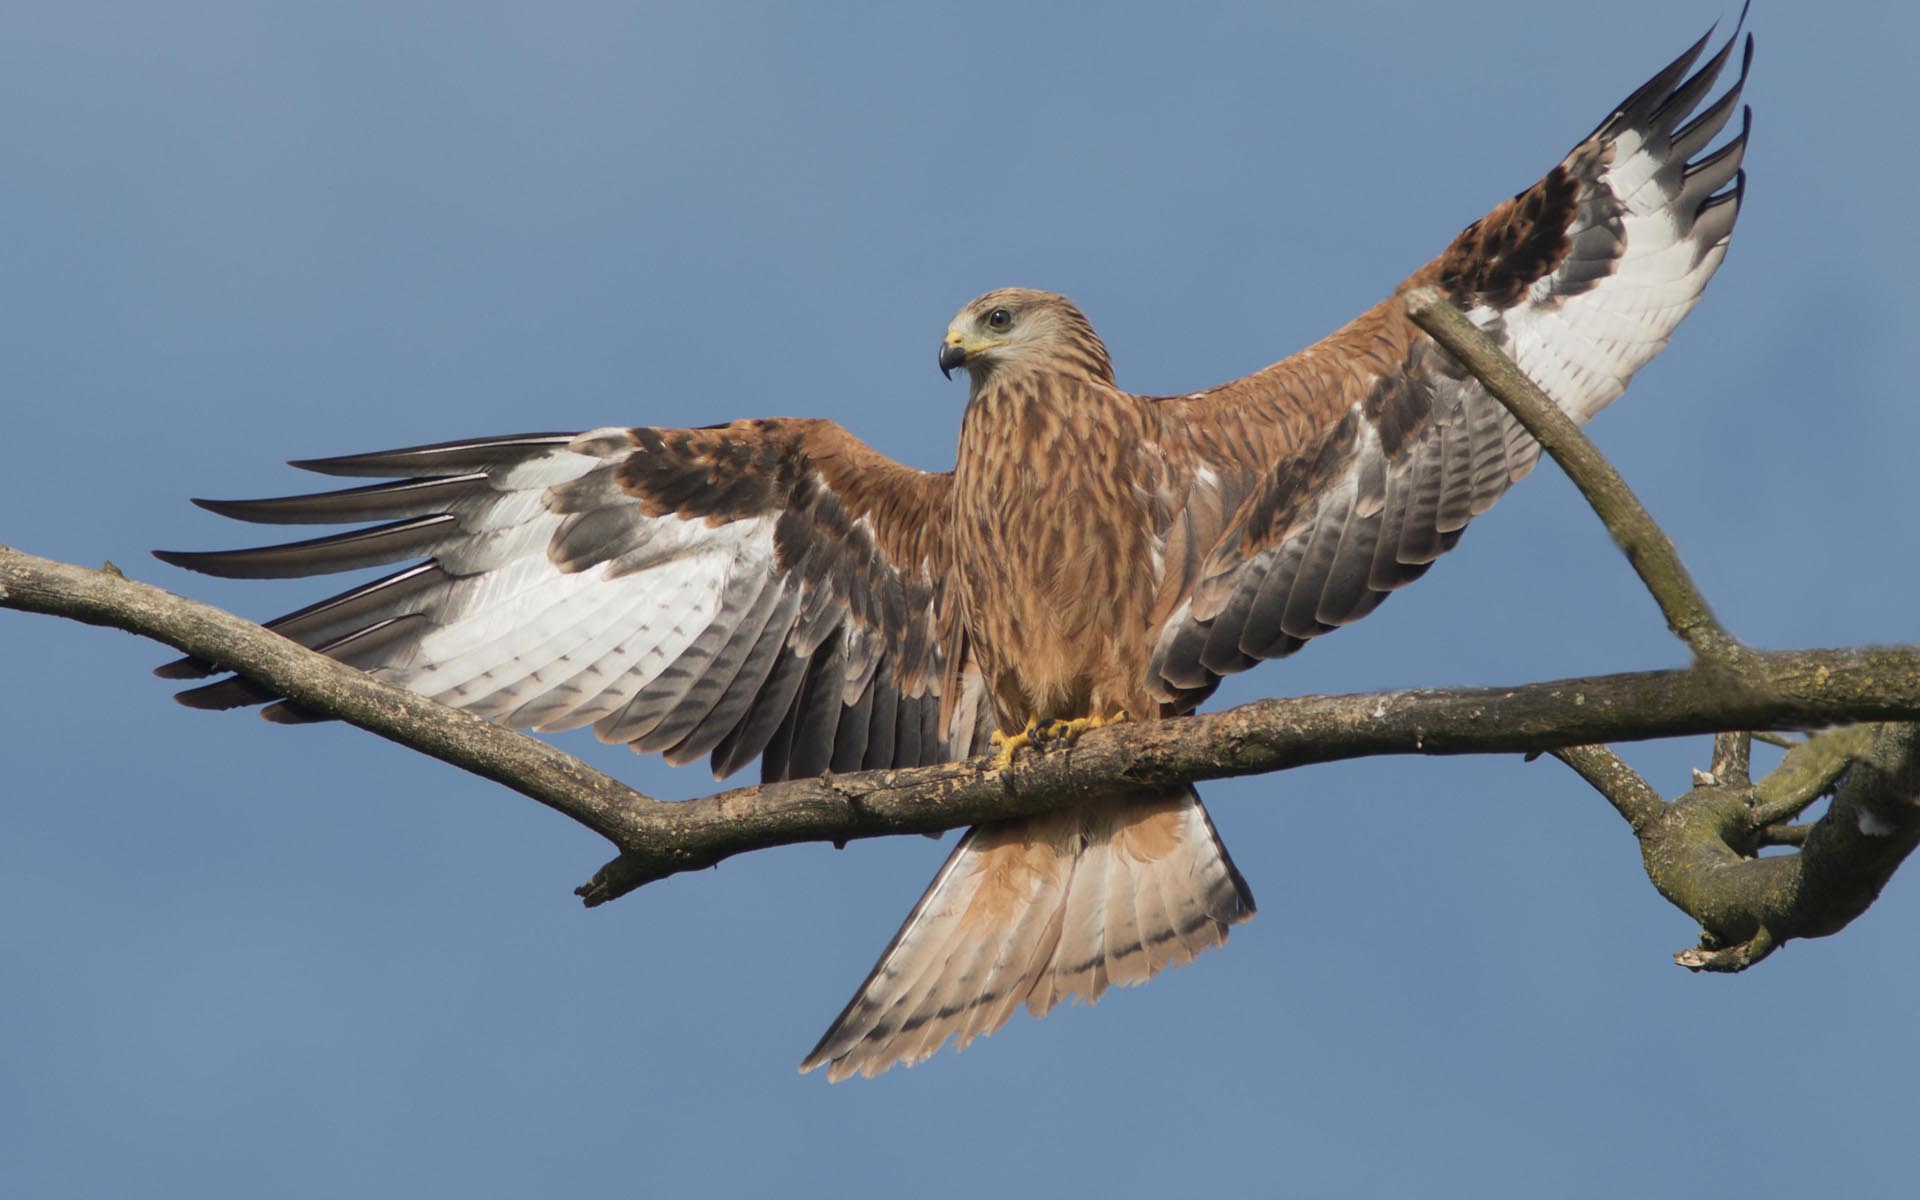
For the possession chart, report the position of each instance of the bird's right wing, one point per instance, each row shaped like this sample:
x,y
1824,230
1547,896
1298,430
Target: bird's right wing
x,y
769,588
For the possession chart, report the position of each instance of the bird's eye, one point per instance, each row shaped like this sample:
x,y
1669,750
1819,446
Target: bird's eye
x,y
999,319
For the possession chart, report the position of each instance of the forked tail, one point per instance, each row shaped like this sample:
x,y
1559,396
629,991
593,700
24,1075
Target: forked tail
x,y
1035,911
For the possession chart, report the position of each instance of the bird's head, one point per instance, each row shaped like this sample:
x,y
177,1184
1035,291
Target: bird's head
x,y
1018,330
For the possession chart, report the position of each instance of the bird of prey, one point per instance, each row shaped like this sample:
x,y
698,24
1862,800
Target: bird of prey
x,y
777,589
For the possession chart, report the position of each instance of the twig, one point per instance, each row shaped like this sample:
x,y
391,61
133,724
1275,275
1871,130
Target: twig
x,y
1646,545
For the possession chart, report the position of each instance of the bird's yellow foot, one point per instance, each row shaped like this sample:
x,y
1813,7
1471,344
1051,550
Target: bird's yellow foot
x,y
1007,743
1070,731
1039,734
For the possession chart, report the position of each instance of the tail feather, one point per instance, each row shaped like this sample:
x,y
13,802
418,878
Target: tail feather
x,y
1078,964
1123,929
1039,911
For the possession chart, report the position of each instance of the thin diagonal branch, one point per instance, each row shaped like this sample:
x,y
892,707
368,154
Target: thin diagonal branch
x,y
1631,796
1646,545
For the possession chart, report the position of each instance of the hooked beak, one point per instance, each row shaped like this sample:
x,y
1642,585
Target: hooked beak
x,y
952,354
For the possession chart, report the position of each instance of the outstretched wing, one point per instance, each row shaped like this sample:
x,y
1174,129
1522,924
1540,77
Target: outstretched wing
x,y
1295,499
762,588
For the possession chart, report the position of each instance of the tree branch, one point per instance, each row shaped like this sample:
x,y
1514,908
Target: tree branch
x,y
1794,689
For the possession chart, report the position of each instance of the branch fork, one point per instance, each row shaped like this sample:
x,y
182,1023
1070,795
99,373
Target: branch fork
x,y
1702,850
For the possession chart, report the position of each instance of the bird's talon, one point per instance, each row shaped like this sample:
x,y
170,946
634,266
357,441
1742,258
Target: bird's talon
x,y
1008,743
1070,731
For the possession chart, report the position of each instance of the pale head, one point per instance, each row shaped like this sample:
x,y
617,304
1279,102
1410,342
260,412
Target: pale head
x,y
1018,330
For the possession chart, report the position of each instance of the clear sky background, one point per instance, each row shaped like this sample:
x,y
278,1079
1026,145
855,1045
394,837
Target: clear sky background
x,y
244,960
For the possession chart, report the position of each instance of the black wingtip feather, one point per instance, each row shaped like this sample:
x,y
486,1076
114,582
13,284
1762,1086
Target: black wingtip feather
x,y
319,556
1655,97
238,510
353,649
1691,138
373,502
286,712
1648,97
436,458
228,693
185,668
1686,97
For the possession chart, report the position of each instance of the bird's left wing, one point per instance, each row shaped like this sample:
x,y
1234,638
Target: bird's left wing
x,y
1292,501
767,587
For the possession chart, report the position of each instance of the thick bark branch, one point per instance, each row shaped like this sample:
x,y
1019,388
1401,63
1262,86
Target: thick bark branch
x,y
1793,689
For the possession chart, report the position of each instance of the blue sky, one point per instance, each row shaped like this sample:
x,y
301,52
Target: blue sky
x,y
248,960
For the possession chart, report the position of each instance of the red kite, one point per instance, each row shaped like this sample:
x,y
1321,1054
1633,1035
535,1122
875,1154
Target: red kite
x,y
776,589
